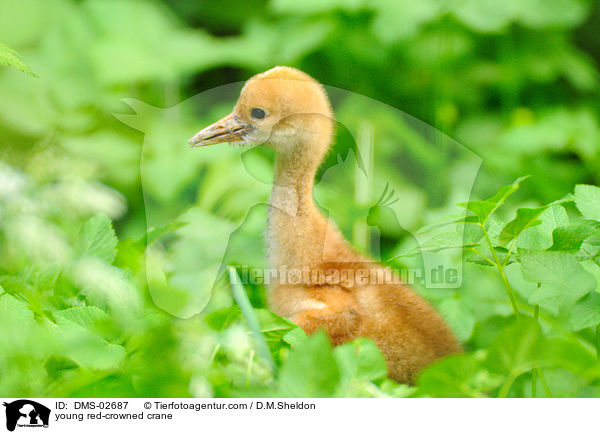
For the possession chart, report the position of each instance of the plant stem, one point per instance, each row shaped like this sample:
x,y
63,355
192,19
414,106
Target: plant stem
x,y
511,294
536,314
214,354
598,341
543,380
500,266
509,253
503,393
484,257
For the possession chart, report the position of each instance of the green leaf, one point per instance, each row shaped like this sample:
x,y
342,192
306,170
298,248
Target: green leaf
x,y
483,209
563,280
9,57
587,200
155,233
570,238
456,376
360,360
540,237
273,327
97,239
568,353
472,233
22,336
476,259
82,345
526,217
586,312
516,349
295,337
223,318
105,285
483,15
310,370
14,314
85,316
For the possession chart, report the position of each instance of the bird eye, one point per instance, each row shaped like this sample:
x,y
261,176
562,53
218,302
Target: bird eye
x,y
258,113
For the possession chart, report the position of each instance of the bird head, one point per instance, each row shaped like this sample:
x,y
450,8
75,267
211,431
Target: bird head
x,y
283,108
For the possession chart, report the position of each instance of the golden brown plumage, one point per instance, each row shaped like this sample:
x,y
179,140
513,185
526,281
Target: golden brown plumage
x,y
288,110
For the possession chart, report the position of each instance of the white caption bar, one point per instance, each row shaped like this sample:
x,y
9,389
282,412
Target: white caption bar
x,y
157,415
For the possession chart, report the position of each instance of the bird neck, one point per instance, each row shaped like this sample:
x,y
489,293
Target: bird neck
x,y
296,228
293,184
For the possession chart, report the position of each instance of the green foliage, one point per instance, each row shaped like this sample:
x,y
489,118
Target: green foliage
x,y
97,239
562,279
310,370
9,57
113,234
587,199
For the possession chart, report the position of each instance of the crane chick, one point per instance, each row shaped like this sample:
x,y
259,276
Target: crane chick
x,y
323,283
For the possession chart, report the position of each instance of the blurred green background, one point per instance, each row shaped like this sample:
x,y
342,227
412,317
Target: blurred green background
x,y
98,141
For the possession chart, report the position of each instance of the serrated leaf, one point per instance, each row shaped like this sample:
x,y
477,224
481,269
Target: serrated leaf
x,y
97,239
9,57
105,285
85,316
587,200
86,348
563,280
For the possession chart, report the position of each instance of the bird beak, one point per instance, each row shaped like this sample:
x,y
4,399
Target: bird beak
x,y
229,129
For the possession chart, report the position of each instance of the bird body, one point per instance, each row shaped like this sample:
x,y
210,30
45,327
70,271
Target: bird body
x,y
322,282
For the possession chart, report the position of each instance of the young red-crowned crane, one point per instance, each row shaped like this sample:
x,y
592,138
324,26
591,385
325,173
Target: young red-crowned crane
x,y
339,291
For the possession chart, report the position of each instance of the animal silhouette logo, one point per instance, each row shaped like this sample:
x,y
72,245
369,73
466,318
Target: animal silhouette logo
x,y
26,413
